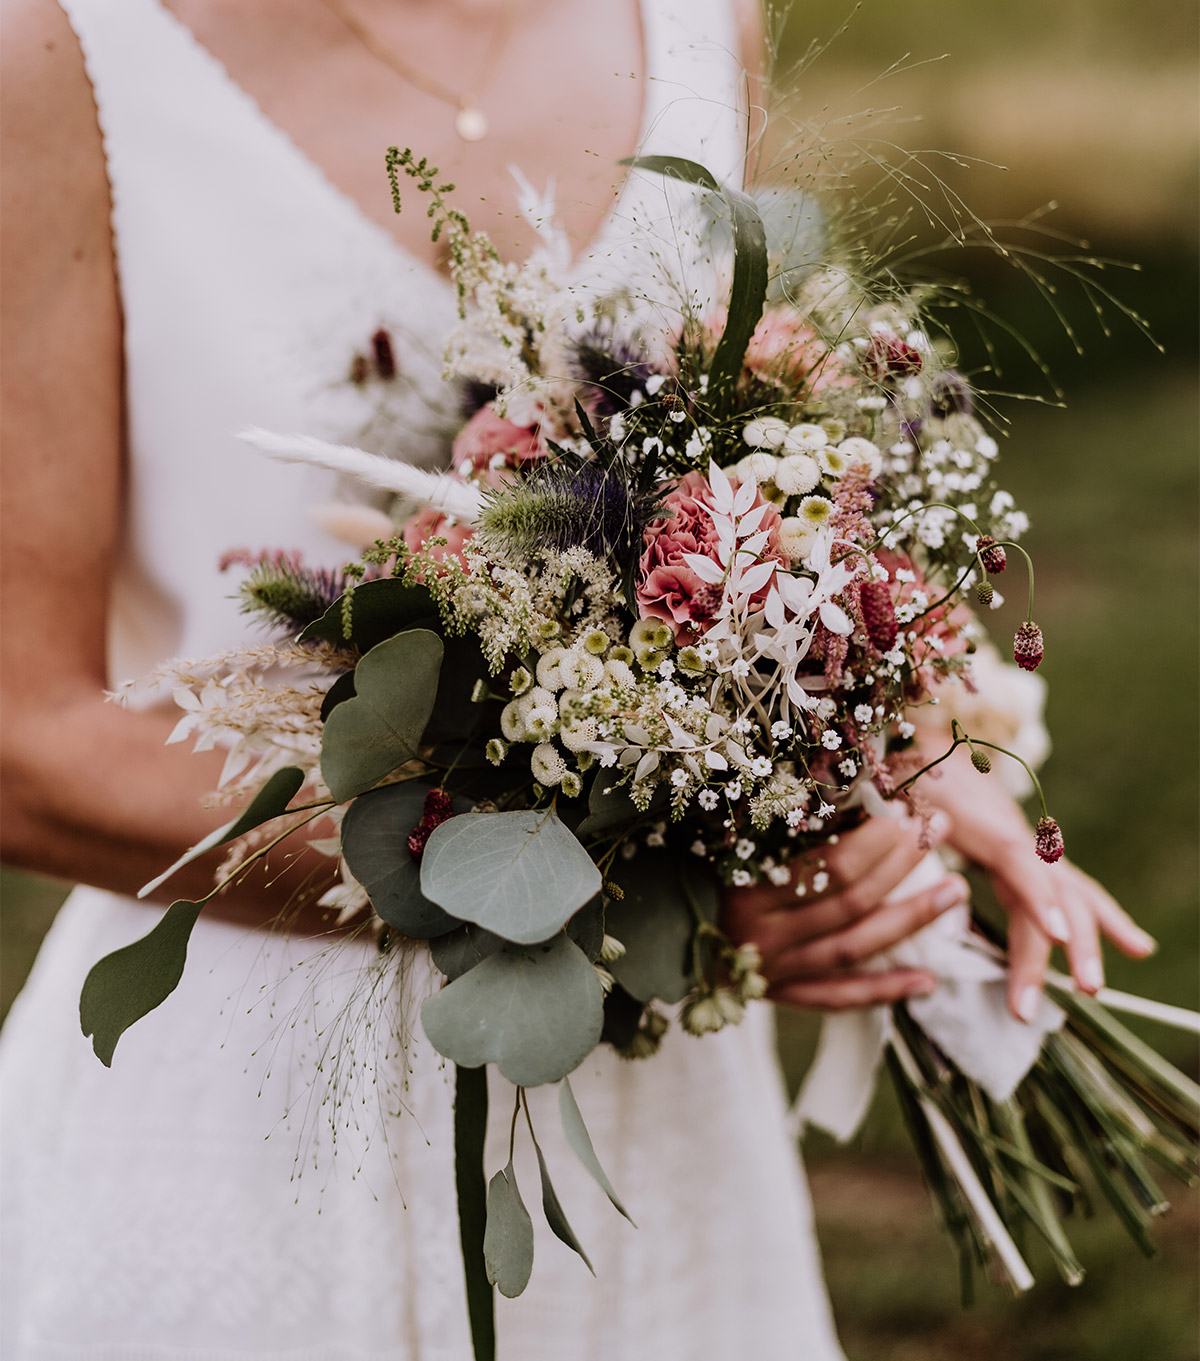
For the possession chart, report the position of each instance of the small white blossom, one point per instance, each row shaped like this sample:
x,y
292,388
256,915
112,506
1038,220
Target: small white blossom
x,y
744,849
707,799
831,740
862,713
820,881
741,878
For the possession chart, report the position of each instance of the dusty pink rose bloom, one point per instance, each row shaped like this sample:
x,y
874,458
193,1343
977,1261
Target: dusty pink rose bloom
x,y
785,351
668,588
487,434
429,522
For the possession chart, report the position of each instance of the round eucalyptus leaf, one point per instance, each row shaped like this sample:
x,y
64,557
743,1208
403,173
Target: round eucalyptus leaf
x,y
655,924
369,736
521,875
535,1012
508,1238
461,949
375,843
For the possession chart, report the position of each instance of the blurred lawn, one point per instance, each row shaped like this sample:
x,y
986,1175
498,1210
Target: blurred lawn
x,y
1091,102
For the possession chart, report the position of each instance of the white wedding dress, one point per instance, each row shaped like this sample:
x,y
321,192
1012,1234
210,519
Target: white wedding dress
x,y
204,1199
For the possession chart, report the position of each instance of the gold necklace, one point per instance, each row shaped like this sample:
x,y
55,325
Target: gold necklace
x,y
470,122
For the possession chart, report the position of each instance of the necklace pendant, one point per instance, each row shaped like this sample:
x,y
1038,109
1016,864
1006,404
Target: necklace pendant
x,y
471,123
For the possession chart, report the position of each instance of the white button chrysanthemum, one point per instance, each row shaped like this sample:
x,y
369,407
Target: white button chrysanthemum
x,y
804,439
512,721
547,765
797,474
576,733
580,670
757,467
816,511
548,674
767,432
859,450
541,721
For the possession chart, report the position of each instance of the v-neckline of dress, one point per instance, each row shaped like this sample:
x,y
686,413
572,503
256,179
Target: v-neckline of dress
x,y
349,204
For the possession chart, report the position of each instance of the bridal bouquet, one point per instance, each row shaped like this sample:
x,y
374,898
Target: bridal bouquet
x,y
704,559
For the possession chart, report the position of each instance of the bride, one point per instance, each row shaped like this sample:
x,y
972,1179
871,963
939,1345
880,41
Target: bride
x,y
199,237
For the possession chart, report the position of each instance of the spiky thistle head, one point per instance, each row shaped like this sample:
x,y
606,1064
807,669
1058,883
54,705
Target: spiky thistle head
x,y
612,370
283,591
569,502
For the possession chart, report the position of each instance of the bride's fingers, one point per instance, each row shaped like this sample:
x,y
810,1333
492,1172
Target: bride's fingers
x,y
1083,944
854,990
1028,954
1028,887
1114,921
856,900
879,930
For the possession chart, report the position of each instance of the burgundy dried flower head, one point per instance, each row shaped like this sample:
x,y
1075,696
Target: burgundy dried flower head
x,y
1049,840
1028,647
879,614
993,557
891,357
439,807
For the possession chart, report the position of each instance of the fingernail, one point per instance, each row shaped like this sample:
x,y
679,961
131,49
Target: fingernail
x,y
948,895
1027,1003
1090,975
1144,941
1057,922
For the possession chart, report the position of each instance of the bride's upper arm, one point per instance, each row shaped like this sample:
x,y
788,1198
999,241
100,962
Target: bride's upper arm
x,y
60,377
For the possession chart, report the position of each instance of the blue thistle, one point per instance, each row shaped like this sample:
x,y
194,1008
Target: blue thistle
x,y
611,368
950,394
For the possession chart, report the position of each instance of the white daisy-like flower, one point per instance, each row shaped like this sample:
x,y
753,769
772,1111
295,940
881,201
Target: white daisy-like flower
x,y
744,849
804,439
547,765
862,713
679,778
780,730
848,768
761,767
815,511
757,467
831,740
833,462
707,799
861,451
767,432
797,474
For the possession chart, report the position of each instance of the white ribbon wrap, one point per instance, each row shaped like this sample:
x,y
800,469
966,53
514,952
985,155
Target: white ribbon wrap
x,y
966,1015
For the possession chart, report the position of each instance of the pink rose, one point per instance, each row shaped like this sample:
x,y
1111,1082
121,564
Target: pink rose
x,y
668,589
487,435
786,351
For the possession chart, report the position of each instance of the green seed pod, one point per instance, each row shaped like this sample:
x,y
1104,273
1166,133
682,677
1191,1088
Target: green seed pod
x,y
984,593
981,760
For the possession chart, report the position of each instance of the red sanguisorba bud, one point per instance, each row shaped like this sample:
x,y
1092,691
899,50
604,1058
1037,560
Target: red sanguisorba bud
x,y
891,357
439,807
1048,840
879,614
1028,647
991,555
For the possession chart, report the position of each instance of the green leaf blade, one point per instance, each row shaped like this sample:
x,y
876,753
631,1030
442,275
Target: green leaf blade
x,y
655,924
555,1216
508,1238
124,986
521,875
470,1134
376,732
581,1143
378,610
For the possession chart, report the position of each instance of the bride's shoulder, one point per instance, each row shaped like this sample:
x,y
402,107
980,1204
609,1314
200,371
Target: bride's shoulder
x,y
54,183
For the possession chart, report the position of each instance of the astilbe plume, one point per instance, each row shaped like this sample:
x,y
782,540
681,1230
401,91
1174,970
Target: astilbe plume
x,y
282,590
879,614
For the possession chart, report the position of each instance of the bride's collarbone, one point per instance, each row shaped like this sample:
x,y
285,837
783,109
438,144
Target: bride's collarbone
x,y
563,100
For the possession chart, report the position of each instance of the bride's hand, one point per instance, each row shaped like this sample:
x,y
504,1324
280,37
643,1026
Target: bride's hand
x,y
1046,904
814,946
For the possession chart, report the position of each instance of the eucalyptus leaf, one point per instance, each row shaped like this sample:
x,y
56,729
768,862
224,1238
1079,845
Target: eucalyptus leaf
x,y
124,986
581,1143
378,610
508,1238
655,924
553,1211
586,928
341,689
375,843
521,875
461,949
535,1012
369,736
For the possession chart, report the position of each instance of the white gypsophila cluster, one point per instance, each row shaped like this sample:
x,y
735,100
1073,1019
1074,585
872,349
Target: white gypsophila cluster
x,y
518,607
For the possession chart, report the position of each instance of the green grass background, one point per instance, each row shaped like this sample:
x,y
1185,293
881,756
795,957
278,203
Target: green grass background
x,y
1092,102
